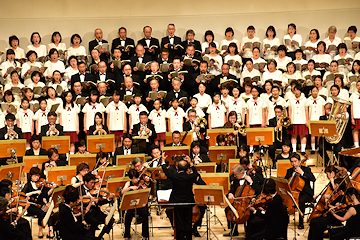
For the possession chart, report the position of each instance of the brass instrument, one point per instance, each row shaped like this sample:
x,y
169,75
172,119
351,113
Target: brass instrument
x,y
242,128
52,130
340,115
143,133
100,132
12,133
284,121
201,123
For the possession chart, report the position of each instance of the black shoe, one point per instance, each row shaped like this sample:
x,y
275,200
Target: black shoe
x,y
229,234
312,152
303,153
301,226
195,232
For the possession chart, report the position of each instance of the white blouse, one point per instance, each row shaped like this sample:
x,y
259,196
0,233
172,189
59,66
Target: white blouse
x,y
216,68
159,120
309,54
234,71
297,38
203,100
41,50
61,46
269,54
75,52
247,53
205,45
19,52
51,67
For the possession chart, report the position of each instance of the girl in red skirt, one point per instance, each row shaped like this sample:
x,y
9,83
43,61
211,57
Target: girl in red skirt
x,y
355,113
299,114
69,119
25,121
157,117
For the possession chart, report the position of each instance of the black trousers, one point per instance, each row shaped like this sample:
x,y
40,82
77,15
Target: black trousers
x,y
144,214
38,213
95,217
303,199
253,230
272,150
183,217
319,225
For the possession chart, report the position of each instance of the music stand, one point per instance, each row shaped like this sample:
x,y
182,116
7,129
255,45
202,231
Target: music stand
x,y
213,133
221,155
134,200
157,174
61,175
115,185
12,172
112,172
188,139
217,179
13,149
97,143
33,161
61,143
140,142
211,196
55,200
322,129
89,159
232,163
176,151
206,167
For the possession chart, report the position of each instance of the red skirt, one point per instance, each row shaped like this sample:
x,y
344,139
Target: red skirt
x,y
255,126
73,136
299,129
160,136
27,136
118,135
357,124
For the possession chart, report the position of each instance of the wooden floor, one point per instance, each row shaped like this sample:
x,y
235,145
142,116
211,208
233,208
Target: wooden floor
x,y
162,229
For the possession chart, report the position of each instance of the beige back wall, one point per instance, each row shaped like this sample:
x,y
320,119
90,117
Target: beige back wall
x,y
82,17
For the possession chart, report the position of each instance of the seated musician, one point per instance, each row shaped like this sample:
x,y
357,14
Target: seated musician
x,y
54,161
138,165
102,161
241,177
35,149
176,140
21,225
281,132
127,147
7,230
70,226
272,217
95,216
132,185
318,225
81,170
352,217
52,129
220,140
98,128
40,195
306,195
82,147
285,153
252,169
196,155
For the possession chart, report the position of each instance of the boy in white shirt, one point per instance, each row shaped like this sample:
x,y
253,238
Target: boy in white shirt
x,y
193,105
175,116
134,111
216,113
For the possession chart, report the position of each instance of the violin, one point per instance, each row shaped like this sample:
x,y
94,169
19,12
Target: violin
x,y
333,197
340,208
43,183
262,200
20,200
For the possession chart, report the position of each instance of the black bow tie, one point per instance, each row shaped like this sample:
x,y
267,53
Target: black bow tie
x,y
102,74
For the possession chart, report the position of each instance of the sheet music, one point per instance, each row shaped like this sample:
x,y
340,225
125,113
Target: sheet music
x,y
164,194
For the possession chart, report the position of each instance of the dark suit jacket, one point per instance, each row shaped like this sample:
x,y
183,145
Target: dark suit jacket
x,y
88,77
196,43
69,229
182,184
150,126
138,83
133,62
120,150
4,130
255,185
125,55
46,127
216,81
173,52
93,127
170,95
109,75
170,144
153,41
30,152
284,132
103,57
308,176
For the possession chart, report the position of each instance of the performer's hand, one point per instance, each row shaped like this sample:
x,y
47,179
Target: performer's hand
x,y
83,222
163,157
248,178
230,196
134,187
299,170
252,209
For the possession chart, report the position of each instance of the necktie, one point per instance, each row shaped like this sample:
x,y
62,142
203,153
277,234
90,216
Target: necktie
x,y
116,108
297,102
25,115
275,103
217,108
137,109
69,109
158,115
43,115
314,102
176,114
255,103
93,107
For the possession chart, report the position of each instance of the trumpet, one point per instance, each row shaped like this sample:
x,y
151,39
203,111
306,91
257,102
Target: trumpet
x,y
242,128
99,125
201,123
12,133
143,133
53,131
284,121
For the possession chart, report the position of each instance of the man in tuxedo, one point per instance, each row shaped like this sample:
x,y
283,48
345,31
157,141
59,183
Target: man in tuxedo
x,y
306,195
144,127
176,138
10,131
128,89
149,41
190,35
182,177
198,134
103,75
171,40
104,53
123,41
141,58
215,83
83,76
52,129
177,93
195,79
282,131
127,147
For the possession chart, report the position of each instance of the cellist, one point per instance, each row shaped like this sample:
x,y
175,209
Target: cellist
x,y
307,193
241,177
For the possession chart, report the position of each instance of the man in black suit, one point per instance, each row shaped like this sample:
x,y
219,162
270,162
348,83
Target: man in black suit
x,y
170,41
176,93
104,52
127,147
141,58
215,83
124,41
306,195
145,128
35,149
52,129
198,133
182,177
83,76
190,35
176,137
103,76
149,41
127,72
282,131
195,79
192,67
129,89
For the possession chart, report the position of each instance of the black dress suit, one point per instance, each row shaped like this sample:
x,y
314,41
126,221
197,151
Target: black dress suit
x,y
153,41
112,86
173,52
103,57
134,60
120,150
306,195
136,129
46,127
196,43
138,83
4,130
69,228
202,156
123,93
171,144
285,136
216,81
30,152
88,77
170,95
125,55
187,128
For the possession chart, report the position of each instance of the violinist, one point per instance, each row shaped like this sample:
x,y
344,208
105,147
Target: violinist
x,y
53,161
81,170
352,217
138,165
142,212
102,160
21,224
38,194
95,216
70,226
307,193
319,224
267,211
240,177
